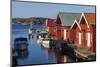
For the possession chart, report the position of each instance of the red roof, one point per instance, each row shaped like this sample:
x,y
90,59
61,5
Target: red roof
x,y
90,17
51,22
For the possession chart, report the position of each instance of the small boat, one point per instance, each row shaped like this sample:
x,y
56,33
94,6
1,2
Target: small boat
x,y
46,43
21,43
43,39
31,31
42,35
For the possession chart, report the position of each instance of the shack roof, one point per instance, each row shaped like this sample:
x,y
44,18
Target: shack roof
x,y
68,18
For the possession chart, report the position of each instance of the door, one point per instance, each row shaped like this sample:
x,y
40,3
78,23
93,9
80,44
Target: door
x,y
88,38
80,37
65,36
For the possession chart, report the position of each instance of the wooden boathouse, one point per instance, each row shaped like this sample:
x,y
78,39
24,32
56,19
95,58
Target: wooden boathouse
x,y
63,24
76,28
75,33
84,34
50,26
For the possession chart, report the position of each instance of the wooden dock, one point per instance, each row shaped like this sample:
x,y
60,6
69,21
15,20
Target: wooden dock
x,y
85,54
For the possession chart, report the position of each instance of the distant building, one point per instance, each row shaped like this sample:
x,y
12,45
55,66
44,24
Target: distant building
x,y
50,26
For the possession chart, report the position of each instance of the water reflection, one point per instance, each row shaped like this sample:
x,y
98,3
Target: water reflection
x,y
19,54
59,58
36,53
23,54
14,57
14,61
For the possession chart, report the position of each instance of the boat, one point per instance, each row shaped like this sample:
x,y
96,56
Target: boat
x,y
43,39
39,41
21,43
46,43
31,31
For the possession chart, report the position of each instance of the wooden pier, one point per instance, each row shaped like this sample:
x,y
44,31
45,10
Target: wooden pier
x,y
85,54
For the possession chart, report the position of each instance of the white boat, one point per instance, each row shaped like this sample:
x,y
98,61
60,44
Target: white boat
x,y
46,43
43,39
39,41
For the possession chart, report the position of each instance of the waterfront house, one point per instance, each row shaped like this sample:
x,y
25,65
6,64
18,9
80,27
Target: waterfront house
x,y
75,33
87,23
50,25
63,23
85,31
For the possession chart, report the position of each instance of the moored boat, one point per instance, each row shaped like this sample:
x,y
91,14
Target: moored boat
x,y
43,39
46,43
21,43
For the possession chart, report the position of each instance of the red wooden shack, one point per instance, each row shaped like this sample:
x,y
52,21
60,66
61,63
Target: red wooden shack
x,y
63,23
58,26
50,25
75,33
85,31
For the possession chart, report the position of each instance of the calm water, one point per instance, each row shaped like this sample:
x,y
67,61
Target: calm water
x,y
35,53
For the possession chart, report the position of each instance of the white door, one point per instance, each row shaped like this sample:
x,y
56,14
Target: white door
x,y
65,34
88,36
80,37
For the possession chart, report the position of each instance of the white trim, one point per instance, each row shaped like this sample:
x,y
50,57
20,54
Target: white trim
x,y
64,34
76,23
46,22
88,36
84,18
80,37
48,29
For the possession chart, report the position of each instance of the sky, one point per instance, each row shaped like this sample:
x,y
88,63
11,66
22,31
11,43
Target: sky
x,y
46,10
